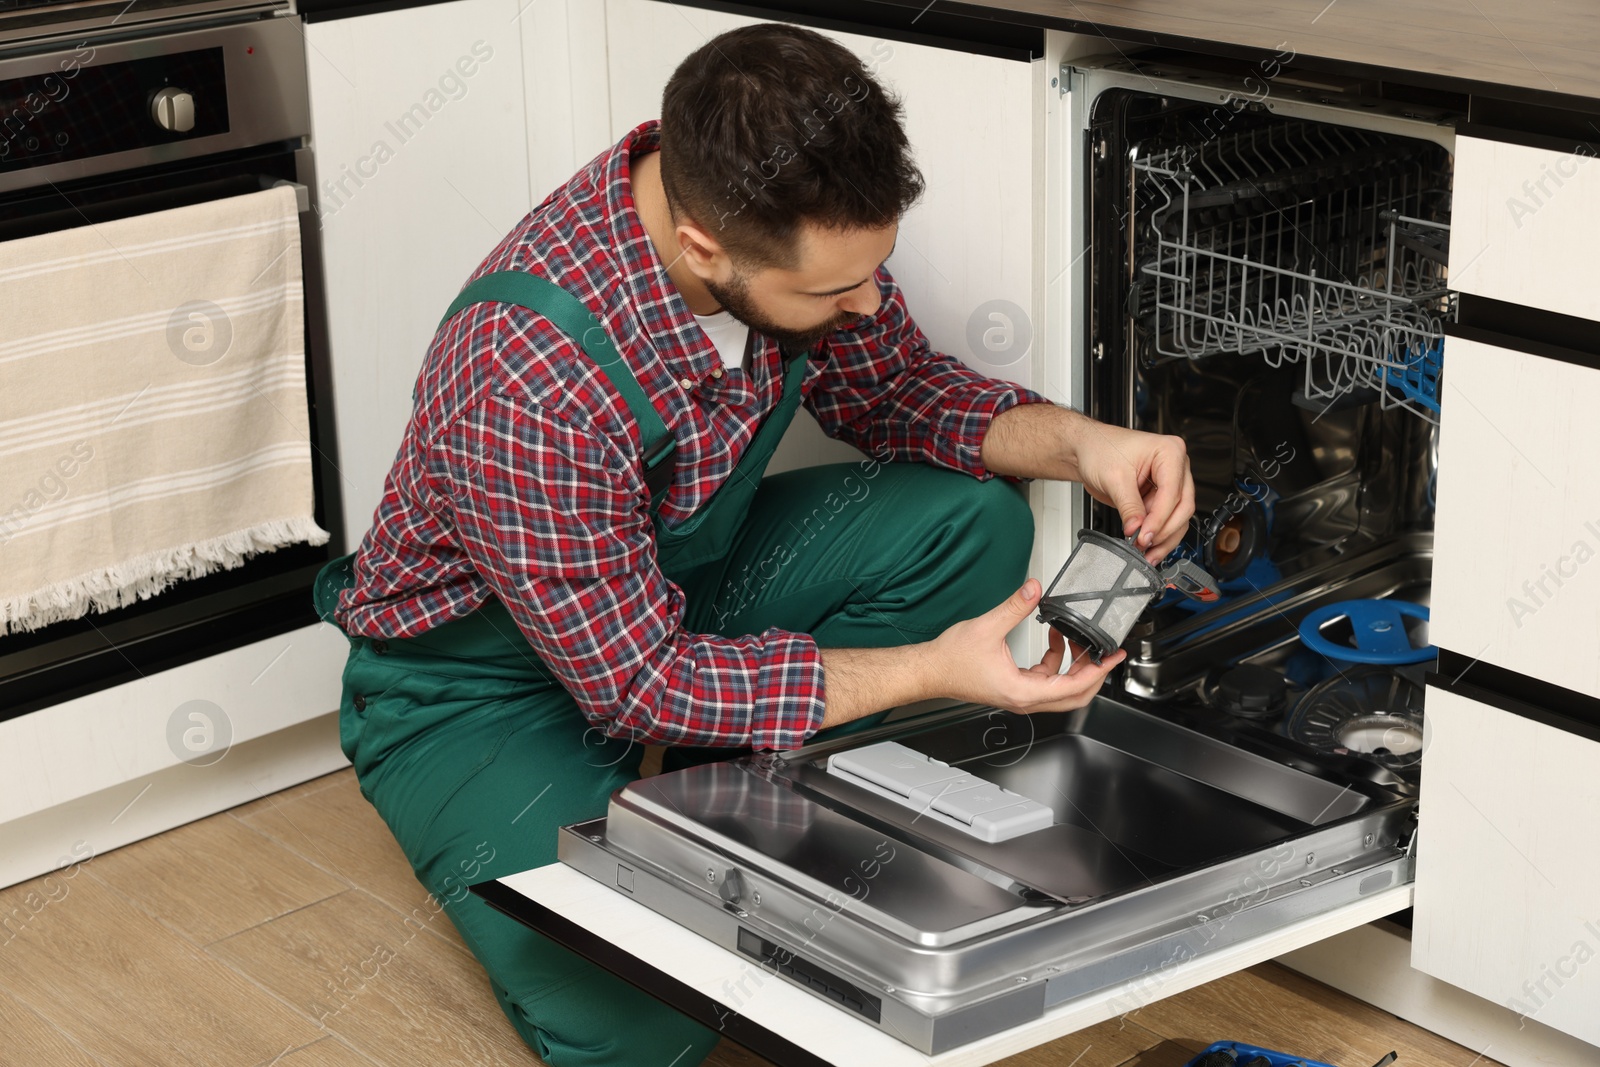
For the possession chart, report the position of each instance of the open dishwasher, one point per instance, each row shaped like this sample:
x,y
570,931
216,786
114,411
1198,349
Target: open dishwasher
x,y
1267,281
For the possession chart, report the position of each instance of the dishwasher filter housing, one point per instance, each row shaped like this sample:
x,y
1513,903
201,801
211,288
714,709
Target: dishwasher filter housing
x,y
1104,587
1267,283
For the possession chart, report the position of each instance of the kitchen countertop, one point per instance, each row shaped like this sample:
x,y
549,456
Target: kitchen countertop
x,y
1541,51
1549,46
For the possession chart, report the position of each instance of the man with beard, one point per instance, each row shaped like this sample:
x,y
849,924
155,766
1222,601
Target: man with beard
x,y
577,554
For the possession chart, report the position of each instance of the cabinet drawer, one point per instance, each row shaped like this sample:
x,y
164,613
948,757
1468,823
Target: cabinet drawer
x,y
1506,905
1516,578
1525,224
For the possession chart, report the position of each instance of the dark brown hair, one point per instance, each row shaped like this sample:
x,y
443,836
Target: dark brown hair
x,y
770,125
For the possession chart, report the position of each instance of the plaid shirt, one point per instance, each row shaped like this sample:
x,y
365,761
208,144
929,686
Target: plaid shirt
x,y
519,474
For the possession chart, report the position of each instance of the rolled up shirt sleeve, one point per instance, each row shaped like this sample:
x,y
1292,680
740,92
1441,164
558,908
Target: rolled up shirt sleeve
x,y
886,391
555,518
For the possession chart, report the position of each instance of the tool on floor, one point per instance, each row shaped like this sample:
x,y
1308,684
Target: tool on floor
x,y
1238,1054
1105,586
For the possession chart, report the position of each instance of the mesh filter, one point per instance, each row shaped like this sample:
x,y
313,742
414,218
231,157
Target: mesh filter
x,y
1100,593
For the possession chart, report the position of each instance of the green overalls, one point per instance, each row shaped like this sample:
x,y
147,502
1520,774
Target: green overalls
x,y
474,754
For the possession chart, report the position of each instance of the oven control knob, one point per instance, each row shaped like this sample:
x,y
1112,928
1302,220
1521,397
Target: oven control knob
x,y
173,109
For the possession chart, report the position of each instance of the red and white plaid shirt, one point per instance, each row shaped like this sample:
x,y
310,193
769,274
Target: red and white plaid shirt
x,y
519,473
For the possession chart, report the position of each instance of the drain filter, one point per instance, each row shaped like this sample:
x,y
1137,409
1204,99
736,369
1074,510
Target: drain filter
x,y
1104,587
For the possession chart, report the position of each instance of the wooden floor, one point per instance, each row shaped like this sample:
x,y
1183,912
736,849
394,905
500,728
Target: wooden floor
x,y
290,932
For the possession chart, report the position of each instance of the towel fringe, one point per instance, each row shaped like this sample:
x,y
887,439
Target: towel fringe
x,y
142,577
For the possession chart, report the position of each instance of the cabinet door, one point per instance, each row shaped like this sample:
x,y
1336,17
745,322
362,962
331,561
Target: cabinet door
x,y
1516,578
418,126
964,257
1525,224
566,87
1507,865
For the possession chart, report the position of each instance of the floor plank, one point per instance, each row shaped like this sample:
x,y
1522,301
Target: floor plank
x,y
339,831
1273,1007
1108,1044
329,1052
301,790
31,1039
130,991
363,972
213,878
1166,1054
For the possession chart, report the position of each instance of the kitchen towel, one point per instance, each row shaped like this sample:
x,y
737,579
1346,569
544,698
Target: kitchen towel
x,y
153,419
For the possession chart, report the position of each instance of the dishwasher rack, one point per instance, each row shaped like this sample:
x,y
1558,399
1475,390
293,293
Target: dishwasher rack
x,y
1304,243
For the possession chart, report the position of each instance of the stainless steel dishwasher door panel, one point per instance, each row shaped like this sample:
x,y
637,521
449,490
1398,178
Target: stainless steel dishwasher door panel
x,y
1162,831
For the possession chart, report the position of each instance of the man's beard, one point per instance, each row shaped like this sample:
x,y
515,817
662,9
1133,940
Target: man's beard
x,y
735,300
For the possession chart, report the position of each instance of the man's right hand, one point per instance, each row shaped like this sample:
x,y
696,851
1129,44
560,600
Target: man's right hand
x,y
972,662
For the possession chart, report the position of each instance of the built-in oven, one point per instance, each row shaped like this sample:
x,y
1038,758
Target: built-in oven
x,y
151,112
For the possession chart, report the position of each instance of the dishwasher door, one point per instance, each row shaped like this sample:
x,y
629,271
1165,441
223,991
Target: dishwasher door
x,y
1165,844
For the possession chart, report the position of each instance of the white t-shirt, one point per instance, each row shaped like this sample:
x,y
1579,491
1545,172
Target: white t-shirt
x,y
728,334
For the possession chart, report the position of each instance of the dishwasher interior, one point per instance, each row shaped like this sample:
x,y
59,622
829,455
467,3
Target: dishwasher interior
x,y
1267,282
1270,286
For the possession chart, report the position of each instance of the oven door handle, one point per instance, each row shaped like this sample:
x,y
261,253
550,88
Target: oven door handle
x,y
302,195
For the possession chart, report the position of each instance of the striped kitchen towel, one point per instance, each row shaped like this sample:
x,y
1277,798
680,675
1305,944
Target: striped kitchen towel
x,y
153,422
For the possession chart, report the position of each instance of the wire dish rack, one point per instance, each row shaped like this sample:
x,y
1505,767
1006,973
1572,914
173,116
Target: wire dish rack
x,y
1306,243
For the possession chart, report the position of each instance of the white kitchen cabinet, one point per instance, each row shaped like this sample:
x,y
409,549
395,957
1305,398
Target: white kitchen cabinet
x,y
968,244
567,89
1516,574
419,127
1507,867
96,772
1524,225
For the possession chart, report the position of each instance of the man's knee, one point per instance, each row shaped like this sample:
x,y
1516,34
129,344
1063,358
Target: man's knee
x,y
978,537
994,513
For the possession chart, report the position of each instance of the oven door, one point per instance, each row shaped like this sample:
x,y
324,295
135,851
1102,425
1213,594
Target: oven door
x,y
270,593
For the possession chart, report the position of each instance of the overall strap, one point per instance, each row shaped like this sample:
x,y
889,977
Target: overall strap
x,y
569,315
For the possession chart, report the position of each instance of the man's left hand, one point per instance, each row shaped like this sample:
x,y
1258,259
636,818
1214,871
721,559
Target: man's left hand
x,y
1145,476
